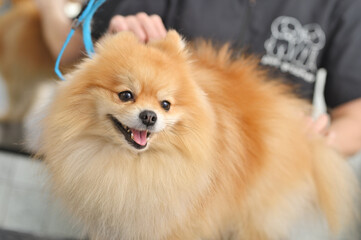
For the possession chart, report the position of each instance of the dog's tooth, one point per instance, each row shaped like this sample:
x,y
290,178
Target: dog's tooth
x,y
132,136
126,128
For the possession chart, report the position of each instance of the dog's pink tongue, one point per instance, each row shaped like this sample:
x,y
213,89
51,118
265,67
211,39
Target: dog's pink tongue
x,y
140,137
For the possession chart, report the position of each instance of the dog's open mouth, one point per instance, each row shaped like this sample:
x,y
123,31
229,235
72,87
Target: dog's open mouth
x,y
136,138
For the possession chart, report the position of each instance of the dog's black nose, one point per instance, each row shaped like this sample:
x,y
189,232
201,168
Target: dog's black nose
x,y
148,117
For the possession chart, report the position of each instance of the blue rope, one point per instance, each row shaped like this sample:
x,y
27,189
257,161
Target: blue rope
x,y
57,63
86,27
85,19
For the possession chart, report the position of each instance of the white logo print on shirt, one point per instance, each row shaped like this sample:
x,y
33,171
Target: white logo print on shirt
x,y
294,48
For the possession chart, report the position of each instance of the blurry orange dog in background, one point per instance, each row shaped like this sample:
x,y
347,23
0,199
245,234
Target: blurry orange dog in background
x,y
25,60
163,141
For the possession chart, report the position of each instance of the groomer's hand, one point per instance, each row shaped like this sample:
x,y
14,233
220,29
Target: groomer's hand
x,y
145,27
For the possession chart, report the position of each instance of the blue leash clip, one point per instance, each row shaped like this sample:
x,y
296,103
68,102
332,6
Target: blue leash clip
x,y
85,20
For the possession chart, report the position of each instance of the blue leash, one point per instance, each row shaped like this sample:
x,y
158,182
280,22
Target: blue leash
x,y
85,20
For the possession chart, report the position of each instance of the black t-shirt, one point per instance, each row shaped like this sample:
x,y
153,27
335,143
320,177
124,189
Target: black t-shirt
x,y
296,37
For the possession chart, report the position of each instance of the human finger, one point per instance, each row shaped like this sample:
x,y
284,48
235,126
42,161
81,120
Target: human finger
x,y
321,124
148,26
117,24
331,138
159,25
135,26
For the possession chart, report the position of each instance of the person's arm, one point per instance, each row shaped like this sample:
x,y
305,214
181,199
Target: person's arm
x,y
56,26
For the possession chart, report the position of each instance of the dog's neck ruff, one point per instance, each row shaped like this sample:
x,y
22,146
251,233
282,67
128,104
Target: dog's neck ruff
x,y
84,19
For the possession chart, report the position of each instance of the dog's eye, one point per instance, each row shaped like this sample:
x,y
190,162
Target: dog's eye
x,y
165,105
126,96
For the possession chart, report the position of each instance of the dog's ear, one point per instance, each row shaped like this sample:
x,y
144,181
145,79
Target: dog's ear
x,y
177,40
173,42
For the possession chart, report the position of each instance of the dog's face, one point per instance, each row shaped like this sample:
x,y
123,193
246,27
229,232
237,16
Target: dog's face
x,y
133,93
138,110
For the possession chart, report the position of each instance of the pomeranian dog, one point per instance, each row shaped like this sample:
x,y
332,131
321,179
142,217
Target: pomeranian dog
x,y
25,60
166,141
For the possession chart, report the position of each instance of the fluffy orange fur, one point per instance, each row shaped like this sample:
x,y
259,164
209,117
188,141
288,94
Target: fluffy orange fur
x,y
25,61
229,160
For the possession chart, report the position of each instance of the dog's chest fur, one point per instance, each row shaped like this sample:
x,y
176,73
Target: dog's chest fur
x,y
130,196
